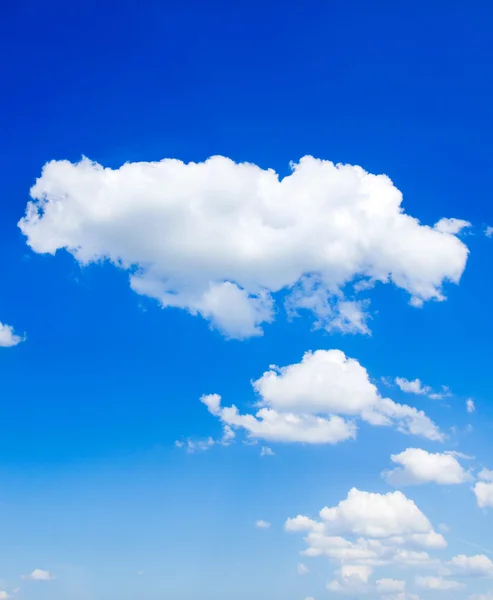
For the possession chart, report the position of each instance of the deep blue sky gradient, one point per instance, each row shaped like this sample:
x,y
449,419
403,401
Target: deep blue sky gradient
x,y
91,485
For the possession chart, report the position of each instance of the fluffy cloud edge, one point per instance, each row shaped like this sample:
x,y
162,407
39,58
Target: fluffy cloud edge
x,y
219,239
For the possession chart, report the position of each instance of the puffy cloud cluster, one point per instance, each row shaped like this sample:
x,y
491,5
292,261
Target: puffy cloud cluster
x,y
366,531
317,401
418,466
369,529
220,239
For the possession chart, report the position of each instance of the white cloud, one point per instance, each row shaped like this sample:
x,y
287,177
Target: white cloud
x,y
457,454
266,451
487,596
8,338
4,595
413,558
302,569
472,566
262,524
302,523
470,406
366,514
488,232
352,579
361,572
416,386
39,575
413,387
270,425
324,381
418,466
375,515
484,494
431,539
486,475
307,402
219,239
366,531
192,446
438,584
453,226
390,586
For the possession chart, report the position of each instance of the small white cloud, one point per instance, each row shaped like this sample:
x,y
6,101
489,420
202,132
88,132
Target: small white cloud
x,y
4,595
192,446
266,451
472,566
452,226
416,386
418,466
486,475
352,580
438,584
412,387
470,406
444,528
228,436
484,494
8,338
39,575
488,232
302,569
262,524
196,445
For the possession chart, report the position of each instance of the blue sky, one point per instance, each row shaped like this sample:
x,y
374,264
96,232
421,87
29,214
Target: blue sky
x,y
116,480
